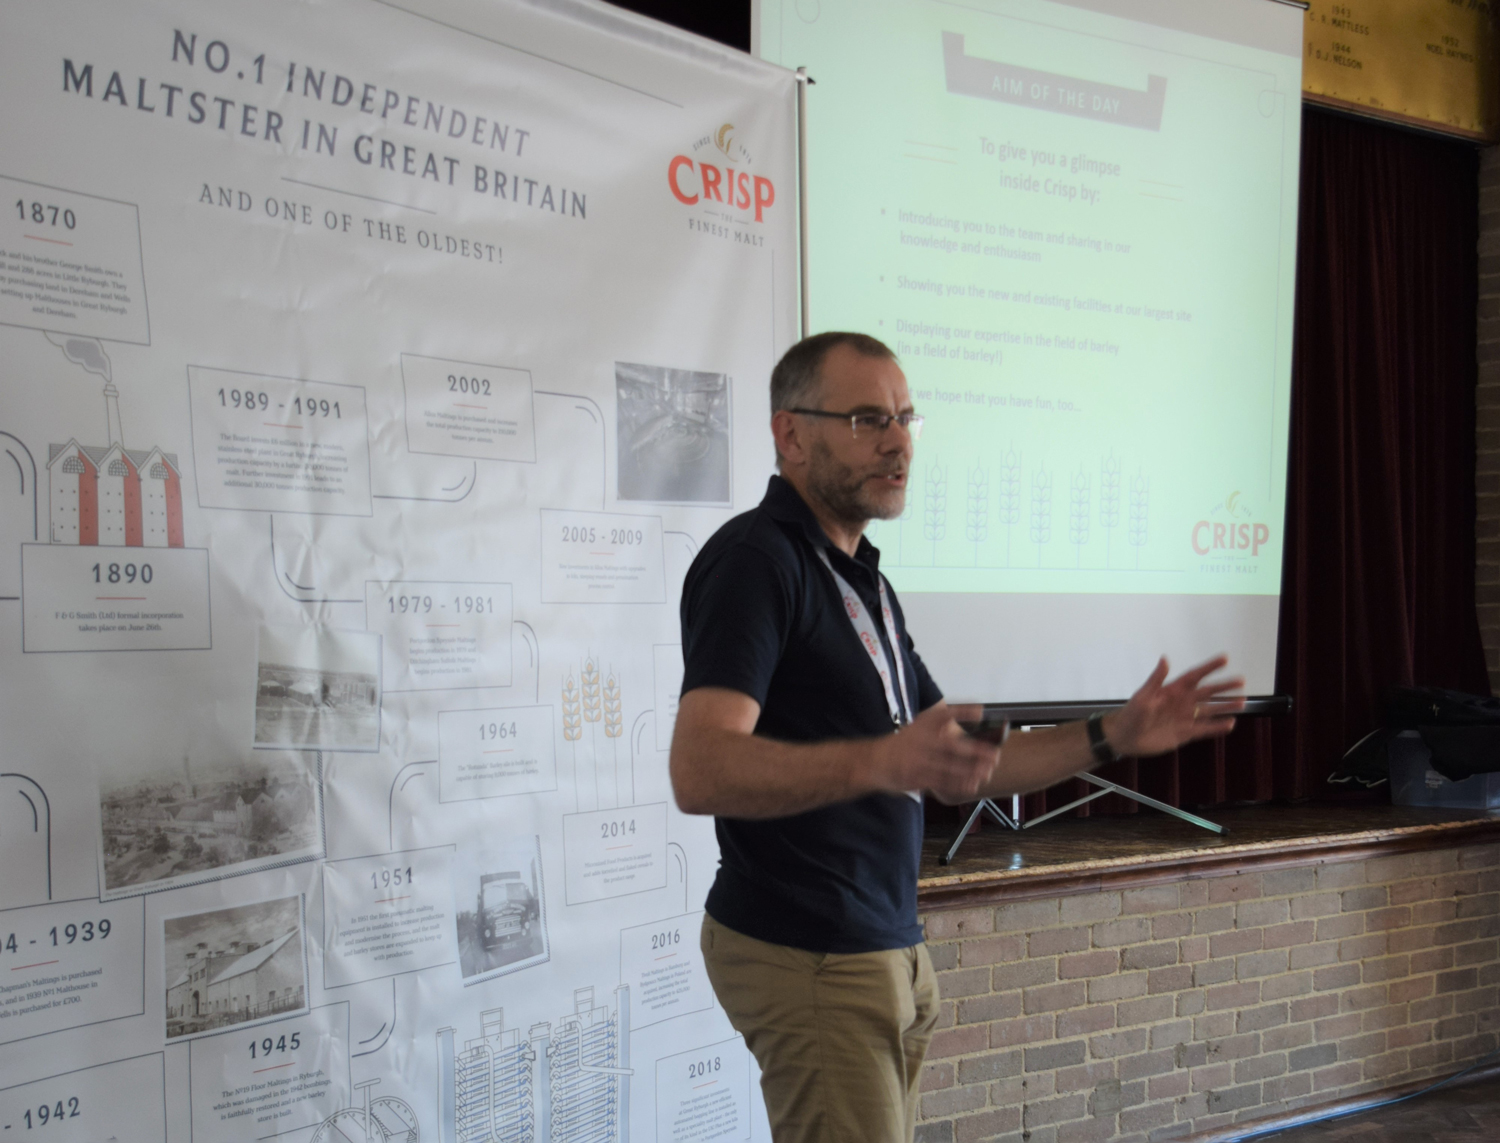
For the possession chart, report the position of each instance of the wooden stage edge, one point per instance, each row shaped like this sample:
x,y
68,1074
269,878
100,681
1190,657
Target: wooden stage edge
x,y
1063,858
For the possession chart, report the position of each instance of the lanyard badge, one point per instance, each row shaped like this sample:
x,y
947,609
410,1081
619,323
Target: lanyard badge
x,y
892,674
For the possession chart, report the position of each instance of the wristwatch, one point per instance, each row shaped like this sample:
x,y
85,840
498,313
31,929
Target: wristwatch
x,y
1099,745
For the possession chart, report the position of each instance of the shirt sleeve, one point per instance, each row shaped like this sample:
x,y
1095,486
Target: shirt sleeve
x,y
736,616
928,692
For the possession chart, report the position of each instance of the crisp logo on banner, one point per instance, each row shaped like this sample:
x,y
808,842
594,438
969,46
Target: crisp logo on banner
x,y
1231,534
714,173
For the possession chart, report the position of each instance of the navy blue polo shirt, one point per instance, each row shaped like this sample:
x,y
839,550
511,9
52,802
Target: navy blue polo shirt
x,y
762,616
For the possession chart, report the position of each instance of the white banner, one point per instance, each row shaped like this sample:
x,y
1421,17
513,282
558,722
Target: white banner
x,y
369,376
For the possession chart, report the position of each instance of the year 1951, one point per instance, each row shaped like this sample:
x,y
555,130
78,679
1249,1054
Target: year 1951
x,y
387,878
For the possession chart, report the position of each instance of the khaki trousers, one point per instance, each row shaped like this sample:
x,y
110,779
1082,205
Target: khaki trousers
x,y
840,1038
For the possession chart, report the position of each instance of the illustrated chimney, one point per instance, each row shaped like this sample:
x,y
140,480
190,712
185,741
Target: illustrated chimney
x,y
112,413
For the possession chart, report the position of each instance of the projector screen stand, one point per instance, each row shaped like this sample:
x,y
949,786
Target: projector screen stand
x,y
1010,821
1013,819
1026,716
1107,787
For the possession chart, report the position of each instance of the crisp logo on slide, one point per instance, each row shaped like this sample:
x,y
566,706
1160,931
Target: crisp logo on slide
x,y
713,173
1230,530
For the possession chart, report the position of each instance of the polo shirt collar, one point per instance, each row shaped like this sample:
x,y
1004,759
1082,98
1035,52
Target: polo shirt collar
x,y
783,502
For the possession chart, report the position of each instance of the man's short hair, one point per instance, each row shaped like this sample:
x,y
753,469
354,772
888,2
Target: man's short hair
x,y
794,381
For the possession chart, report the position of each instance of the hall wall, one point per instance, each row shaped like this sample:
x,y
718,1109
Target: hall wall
x,y
1160,1012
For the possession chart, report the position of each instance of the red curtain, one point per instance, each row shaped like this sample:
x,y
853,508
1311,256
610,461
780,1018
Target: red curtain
x,y
1378,584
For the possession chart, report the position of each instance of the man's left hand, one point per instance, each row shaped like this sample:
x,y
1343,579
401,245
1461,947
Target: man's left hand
x,y
1163,715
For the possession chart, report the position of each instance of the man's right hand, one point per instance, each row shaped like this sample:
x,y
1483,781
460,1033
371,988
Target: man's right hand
x,y
932,752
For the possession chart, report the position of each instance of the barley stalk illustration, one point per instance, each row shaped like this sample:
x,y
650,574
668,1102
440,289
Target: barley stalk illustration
x,y
614,717
614,726
1079,489
1140,506
572,728
1041,510
592,709
1109,499
977,509
935,507
572,716
1008,495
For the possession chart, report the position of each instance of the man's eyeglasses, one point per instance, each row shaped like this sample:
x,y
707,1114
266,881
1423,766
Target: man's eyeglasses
x,y
871,424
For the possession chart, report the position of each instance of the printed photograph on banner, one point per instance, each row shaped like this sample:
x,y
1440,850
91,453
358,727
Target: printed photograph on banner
x,y
166,823
672,428
499,907
226,967
317,688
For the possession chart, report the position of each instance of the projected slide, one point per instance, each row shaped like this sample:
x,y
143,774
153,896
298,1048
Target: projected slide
x,y
1078,232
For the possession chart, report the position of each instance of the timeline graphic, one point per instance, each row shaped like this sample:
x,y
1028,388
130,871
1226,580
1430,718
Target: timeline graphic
x,y
339,567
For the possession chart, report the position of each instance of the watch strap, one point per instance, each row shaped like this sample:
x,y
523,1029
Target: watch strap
x,y
1099,745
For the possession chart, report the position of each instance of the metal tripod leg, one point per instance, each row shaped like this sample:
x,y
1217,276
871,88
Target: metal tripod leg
x,y
981,806
1073,805
1107,787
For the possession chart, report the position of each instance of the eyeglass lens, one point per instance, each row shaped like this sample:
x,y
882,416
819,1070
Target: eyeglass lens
x,y
867,423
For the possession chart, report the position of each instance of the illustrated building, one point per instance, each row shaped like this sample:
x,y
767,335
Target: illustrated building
x,y
589,1095
493,1085
568,1084
224,986
112,496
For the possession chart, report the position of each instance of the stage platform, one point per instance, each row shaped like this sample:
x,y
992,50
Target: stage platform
x,y
1082,855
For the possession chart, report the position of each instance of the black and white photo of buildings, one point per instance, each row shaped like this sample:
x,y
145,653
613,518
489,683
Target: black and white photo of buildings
x,y
317,688
673,431
164,825
234,966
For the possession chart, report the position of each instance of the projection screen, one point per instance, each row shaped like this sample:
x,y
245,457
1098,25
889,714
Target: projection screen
x,y
1075,222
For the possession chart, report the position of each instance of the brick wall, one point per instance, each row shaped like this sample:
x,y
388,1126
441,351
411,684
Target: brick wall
x,y
1159,1012
1487,570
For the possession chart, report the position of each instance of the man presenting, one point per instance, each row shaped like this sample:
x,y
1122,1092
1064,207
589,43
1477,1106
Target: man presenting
x,y
809,727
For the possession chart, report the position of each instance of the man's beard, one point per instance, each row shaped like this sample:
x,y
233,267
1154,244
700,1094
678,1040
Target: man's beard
x,y
847,494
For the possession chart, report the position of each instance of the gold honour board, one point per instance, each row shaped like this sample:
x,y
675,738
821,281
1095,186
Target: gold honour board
x,y
1428,63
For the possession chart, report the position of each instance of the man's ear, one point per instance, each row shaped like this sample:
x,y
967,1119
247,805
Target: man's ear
x,y
785,430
